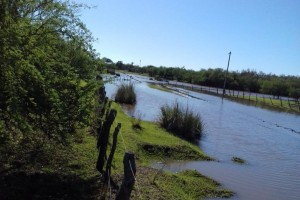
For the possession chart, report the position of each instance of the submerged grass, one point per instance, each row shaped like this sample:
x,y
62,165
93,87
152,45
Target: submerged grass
x,y
238,160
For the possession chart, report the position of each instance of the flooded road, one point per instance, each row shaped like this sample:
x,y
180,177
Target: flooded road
x,y
269,141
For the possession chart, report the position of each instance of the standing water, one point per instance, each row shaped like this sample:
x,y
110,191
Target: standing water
x,y
269,141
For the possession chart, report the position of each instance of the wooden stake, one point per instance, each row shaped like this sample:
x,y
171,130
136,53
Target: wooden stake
x,y
129,177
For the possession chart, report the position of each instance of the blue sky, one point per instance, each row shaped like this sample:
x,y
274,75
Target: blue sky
x,y
263,35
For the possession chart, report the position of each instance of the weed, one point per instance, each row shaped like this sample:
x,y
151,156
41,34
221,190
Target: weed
x,y
126,94
181,121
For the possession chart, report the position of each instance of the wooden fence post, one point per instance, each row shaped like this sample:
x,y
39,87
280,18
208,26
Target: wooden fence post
x,y
101,94
112,152
129,177
103,139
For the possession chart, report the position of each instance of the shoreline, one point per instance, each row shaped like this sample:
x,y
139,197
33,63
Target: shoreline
x,y
153,144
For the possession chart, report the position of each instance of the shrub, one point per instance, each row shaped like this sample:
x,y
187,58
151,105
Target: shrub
x,y
126,94
181,121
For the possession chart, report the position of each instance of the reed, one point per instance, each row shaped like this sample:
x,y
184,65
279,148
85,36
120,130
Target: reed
x,y
181,121
126,94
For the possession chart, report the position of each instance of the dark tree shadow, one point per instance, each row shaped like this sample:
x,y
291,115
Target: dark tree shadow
x,y
20,185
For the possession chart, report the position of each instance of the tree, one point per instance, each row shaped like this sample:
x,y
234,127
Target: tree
x,y
47,70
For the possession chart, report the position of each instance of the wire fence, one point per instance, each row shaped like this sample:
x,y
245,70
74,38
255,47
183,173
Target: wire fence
x,y
115,124
265,99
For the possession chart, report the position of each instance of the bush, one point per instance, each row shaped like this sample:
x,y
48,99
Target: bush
x,y
126,94
181,121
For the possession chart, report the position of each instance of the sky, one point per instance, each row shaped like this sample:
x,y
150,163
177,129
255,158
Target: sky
x,y
262,35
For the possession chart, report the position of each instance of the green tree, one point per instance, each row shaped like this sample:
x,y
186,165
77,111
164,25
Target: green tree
x,y
47,70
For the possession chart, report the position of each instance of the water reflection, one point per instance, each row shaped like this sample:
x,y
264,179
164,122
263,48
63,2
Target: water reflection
x,y
268,140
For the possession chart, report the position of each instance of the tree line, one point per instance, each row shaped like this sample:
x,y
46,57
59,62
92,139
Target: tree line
x,y
245,80
47,72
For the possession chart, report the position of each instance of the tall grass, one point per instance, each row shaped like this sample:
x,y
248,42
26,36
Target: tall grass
x,y
126,94
181,121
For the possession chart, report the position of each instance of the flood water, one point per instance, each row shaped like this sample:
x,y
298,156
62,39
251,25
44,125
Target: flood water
x,y
269,141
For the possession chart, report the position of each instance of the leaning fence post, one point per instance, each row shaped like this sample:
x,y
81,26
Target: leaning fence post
x,y
129,177
112,152
103,139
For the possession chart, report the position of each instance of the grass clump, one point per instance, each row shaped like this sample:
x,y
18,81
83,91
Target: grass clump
x,y
126,94
238,160
181,121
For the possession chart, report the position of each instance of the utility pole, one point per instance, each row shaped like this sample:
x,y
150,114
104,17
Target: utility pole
x,y
226,76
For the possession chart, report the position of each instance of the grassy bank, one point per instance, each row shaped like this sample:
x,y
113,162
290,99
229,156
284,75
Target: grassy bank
x,y
272,104
159,87
151,144
266,103
69,173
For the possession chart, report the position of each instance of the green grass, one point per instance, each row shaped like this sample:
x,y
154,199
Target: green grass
x,y
271,102
189,184
151,144
60,172
268,103
159,87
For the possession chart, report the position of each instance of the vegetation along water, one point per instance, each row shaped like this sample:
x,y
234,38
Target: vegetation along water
x,y
50,77
266,140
